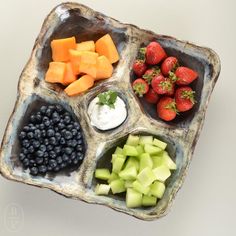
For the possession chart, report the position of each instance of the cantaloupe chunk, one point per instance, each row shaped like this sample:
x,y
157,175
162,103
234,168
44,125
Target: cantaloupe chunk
x,y
79,86
84,62
86,46
61,47
104,68
56,72
69,76
106,47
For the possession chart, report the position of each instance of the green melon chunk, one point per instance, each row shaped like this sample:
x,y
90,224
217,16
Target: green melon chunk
x,y
168,161
145,161
132,161
114,156
128,173
140,150
152,150
102,189
118,164
146,177
145,140
119,150
162,173
157,161
133,198
149,201
140,188
157,189
159,143
117,186
113,176
130,151
133,140
129,183
103,174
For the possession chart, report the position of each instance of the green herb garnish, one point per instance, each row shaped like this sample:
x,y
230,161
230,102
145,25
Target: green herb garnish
x,y
107,98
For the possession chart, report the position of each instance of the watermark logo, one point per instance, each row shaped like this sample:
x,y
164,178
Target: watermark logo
x,y
13,217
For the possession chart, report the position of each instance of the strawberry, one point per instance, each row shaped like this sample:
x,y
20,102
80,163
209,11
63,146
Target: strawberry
x,y
140,87
154,53
151,73
151,96
184,97
185,75
166,108
168,65
139,67
162,85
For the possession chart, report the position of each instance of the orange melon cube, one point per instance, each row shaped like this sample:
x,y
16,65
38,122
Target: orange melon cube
x,y
86,46
106,47
56,72
69,76
104,68
79,86
60,48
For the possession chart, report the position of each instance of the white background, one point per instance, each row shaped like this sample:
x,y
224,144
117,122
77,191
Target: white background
x,y
207,201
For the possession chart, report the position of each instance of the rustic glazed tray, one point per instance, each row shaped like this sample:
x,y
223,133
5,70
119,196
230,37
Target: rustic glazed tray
x,y
71,19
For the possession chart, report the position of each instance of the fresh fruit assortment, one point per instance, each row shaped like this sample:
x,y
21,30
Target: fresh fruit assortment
x,y
51,141
79,65
162,81
140,169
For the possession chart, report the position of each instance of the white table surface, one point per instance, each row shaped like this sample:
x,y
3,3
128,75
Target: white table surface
x,y
207,201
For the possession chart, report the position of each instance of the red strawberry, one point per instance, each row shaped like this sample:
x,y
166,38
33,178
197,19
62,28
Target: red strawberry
x,y
151,96
185,75
140,87
162,85
184,97
151,73
139,67
168,65
154,53
166,108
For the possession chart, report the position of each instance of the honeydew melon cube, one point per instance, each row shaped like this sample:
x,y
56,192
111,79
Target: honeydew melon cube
x,y
162,173
113,176
140,150
117,186
114,156
128,173
146,176
129,183
149,201
119,150
118,164
140,188
152,150
157,161
168,161
158,143
157,189
102,173
145,161
145,140
132,161
102,189
130,151
133,140
133,198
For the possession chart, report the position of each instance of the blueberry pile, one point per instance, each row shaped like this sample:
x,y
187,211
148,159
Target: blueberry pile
x,y
51,141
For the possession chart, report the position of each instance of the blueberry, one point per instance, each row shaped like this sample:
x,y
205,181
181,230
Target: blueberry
x,y
80,156
68,150
76,161
49,112
24,150
69,127
67,120
57,149
25,162
42,126
32,162
49,168
59,108
79,135
43,133
69,161
30,135
46,161
45,155
34,171
30,156
33,119
42,169
39,153
52,154
32,127
62,165
22,135
22,156
43,109
62,141
57,136
65,157
42,148
31,149
56,169
45,118
50,133
79,142
55,117
68,135
77,125
39,160
26,128
74,143
61,126
59,160
49,147
46,141
38,117
74,132
25,143
79,148
36,143
52,141
52,163
37,134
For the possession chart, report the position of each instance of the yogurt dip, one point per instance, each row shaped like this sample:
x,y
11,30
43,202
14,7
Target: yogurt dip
x,y
105,117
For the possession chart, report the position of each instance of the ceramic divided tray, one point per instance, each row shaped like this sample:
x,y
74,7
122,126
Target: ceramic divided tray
x,y
72,19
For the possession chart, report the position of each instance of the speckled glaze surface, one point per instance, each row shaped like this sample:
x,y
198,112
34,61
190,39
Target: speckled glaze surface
x,y
71,19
